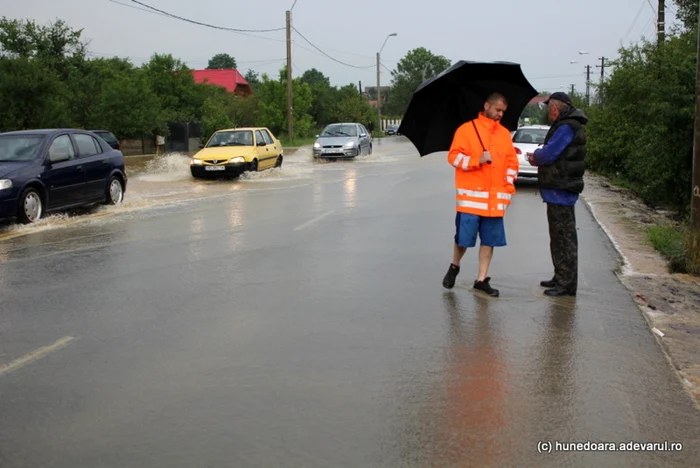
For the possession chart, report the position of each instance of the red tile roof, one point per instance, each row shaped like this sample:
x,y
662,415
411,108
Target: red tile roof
x,y
230,79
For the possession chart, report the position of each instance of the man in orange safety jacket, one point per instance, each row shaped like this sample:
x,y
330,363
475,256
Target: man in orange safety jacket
x,y
486,167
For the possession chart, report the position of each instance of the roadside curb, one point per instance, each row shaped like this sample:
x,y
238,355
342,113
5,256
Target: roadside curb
x,y
667,324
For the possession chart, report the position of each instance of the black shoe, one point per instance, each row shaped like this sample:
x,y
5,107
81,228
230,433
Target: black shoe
x,y
548,284
486,287
449,280
559,291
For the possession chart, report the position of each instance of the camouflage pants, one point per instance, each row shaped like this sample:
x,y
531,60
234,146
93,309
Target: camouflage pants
x,y
563,244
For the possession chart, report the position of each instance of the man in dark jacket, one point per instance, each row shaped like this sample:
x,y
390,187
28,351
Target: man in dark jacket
x,y
560,168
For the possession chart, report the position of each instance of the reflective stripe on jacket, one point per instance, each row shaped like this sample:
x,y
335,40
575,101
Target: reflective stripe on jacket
x,y
483,189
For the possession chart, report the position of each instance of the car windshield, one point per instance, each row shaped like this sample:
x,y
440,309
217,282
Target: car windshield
x,y
232,138
19,147
530,135
340,130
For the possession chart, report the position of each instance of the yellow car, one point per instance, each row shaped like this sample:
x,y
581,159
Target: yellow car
x,y
233,151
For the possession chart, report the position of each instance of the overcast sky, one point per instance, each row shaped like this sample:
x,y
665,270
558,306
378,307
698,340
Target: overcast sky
x,y
543,35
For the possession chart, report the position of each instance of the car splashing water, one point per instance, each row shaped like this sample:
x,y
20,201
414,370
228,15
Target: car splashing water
x,y
165,180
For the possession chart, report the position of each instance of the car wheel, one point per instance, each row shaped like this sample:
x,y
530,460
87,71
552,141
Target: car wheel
x,y
115,191
370,149
254,166
278,163
31,207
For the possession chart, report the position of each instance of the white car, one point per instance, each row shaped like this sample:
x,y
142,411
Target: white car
x,y
526,140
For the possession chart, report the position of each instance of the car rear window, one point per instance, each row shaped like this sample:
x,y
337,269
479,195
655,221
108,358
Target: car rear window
x,y
530,135
107,136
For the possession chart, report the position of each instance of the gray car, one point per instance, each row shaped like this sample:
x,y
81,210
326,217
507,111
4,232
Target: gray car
x,y
343,140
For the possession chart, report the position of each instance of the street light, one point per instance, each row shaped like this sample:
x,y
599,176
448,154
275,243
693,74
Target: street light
x,y
379,93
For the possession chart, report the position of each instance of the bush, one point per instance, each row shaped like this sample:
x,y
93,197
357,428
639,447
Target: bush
x,y
642,131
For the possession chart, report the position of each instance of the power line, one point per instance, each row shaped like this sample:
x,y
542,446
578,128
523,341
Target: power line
x,y
641,8
328,56
222,28
161,14
136,8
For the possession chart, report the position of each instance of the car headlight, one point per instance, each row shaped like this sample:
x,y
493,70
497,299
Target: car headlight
x,y
196,162
349,144
239,159
317,145
5,184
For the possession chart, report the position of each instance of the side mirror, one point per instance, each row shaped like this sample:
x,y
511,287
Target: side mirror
x,y
201,146
317,136
262,143
362,135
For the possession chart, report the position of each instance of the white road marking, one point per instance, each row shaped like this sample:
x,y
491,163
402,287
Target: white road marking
x,y
312,221
35,355
399,181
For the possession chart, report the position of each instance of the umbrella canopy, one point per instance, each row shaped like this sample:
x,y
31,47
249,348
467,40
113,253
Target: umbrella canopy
x,y
443,103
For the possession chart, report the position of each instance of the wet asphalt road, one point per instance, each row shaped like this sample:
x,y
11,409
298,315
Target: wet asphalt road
x,y
299,320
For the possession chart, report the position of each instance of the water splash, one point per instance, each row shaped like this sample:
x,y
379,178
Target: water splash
x,y
167,168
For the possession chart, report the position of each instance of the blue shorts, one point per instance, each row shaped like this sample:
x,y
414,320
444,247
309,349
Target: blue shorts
x,y
491,230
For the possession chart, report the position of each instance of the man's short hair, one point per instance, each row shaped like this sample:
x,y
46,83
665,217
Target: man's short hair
x,y
495,97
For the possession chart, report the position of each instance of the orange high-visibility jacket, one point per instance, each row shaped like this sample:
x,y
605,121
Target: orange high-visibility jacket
x,y
483,189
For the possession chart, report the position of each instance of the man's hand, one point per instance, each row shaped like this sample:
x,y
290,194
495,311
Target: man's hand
x,y
530,158
485,157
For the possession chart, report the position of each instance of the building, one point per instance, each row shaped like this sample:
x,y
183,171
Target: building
x,y
230,79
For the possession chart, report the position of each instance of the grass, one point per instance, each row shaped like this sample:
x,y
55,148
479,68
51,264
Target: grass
x,y
675,244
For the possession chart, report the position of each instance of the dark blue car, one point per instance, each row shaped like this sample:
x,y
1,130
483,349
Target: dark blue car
x,y
47,170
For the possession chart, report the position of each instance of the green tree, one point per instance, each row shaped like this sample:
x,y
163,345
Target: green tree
x,y
127,106
39,65
31,96
414,68
688,12
352,107
253,79
215,116
273,105
179,98
26,39
325,97
643,130
221,61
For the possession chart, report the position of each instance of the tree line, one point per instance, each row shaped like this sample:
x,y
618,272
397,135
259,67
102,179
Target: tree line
x,y
49,79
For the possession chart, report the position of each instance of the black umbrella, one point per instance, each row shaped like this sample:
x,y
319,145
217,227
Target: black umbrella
x,y
443,103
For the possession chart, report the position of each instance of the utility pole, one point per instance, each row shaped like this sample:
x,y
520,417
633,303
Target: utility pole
x,y
661,23
379,100
573,91
695,196
588,85
359,87
290,100
602,69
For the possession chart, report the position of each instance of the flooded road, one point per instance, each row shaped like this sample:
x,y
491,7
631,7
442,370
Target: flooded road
x,y
296,318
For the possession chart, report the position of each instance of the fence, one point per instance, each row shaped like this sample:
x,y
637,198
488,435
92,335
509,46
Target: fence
x,y
388,122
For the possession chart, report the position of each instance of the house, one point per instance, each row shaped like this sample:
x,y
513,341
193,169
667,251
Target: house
x,y
230,79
